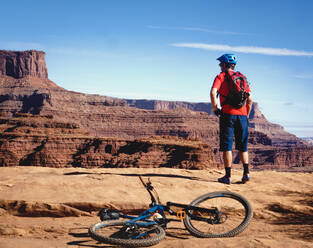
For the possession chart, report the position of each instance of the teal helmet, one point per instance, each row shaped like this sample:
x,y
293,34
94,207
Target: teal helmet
x,y
228,58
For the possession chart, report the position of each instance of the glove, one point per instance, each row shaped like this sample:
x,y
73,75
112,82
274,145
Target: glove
x,y
218,112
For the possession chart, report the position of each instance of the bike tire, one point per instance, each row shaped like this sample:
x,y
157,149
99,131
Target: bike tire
x,y
232,206
95,230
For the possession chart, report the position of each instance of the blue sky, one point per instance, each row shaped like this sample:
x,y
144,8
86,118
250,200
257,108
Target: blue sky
x,y
167,50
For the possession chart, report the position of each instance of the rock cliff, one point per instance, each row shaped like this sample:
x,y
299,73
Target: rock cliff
x,y
29,91
41,141
257,120
22,64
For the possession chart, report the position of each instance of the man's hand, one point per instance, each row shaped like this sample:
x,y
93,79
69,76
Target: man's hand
x,y
218,112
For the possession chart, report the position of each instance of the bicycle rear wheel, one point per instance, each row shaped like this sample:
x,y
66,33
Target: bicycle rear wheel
x,y
231,214
120,233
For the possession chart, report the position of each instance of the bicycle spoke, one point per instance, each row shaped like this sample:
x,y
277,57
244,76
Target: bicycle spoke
x,y
128,234
231,215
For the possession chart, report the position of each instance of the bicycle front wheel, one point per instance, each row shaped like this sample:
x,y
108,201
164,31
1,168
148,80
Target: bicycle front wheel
x,y
120,233
220,214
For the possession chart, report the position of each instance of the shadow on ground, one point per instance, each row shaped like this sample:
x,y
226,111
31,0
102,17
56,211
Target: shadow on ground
x,y
299,223
84,240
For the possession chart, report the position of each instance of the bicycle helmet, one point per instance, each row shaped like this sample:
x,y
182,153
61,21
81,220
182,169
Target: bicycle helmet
x,y
228,58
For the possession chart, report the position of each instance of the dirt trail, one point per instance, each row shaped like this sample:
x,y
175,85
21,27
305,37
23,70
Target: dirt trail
x,y
48,207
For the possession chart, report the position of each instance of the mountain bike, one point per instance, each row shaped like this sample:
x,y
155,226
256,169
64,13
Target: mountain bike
x,y
213,215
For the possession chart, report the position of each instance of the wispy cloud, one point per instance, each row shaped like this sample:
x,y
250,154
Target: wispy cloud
x,y
300,130
300,125
245,49
289,103
204,30
304,76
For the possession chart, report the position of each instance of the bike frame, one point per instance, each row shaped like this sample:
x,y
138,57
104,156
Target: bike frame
x,y
147,228
142,219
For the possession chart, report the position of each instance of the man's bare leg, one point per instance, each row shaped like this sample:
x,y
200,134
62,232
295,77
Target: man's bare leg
x,y
244,157
228,158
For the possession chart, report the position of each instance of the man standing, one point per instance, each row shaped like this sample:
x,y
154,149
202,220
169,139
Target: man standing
x,y
233,120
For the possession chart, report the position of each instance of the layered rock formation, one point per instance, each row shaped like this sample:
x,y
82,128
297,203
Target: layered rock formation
x,y
257,120
123,119
41,141
22,64
113,117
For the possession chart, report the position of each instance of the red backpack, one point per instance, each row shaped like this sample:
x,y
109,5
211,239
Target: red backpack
x,y
238,90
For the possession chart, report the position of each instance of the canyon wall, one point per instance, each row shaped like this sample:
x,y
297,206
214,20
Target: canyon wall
x,y
33,140
22,64
257,120
29,91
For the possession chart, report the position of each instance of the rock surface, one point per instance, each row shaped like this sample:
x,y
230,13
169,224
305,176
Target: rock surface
x,y
49,207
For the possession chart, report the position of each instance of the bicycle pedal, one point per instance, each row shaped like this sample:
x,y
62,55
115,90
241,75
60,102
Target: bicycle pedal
x,y
181,215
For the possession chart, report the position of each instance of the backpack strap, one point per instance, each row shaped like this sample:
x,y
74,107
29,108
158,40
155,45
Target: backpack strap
x,y
228,80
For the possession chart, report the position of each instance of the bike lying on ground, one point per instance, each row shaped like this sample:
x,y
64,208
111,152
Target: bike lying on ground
x,y
213,215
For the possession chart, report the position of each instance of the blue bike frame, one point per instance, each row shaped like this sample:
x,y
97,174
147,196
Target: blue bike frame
x,y
142,220
146,214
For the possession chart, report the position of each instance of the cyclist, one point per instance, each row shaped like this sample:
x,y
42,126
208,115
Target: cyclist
x,y
233,121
